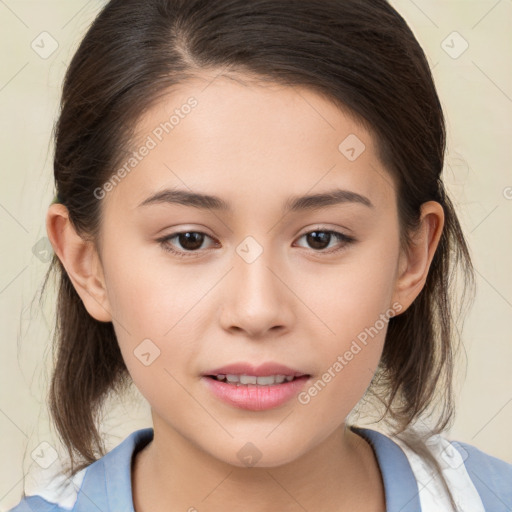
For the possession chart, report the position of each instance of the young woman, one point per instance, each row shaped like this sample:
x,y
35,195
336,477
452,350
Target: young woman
x,y
251,226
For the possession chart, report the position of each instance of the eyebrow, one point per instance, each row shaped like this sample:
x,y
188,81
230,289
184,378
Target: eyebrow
x,y
293,204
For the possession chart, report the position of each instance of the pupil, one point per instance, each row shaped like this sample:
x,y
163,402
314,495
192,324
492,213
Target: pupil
x,y
322,235
186,238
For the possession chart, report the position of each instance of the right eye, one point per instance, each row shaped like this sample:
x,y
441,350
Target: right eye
x,y
190,241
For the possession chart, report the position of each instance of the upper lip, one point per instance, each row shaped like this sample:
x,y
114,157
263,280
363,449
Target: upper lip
x,y
262,370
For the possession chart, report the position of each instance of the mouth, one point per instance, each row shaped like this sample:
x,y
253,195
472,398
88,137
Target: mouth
x,y
255,389
259,380
244,373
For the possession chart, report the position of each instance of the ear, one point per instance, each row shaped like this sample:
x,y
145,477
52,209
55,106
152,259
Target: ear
x,y
414,265
81,261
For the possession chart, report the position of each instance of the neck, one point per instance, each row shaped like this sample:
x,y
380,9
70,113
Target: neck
x,y
172,474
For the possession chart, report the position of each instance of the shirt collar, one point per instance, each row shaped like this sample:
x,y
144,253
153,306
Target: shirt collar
x,y
107,484
400,485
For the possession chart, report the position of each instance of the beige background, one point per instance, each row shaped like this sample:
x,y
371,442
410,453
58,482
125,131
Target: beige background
x,y
476,92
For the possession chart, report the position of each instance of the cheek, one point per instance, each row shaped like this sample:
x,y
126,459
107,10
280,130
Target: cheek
x,y
158,349
350,297
155,316
353,305
150,297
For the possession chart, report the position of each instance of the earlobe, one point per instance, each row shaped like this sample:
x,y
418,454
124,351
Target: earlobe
x,y
414,266
81,261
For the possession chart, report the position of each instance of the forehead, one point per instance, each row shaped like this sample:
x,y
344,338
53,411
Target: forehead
x,y
250,141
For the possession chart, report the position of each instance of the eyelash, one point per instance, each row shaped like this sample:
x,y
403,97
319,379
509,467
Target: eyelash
x,y
164,242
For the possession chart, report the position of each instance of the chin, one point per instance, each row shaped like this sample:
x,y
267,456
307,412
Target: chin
x,y
257,453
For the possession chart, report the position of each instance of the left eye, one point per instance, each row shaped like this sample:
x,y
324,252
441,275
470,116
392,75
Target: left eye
x,y
191,241
319,238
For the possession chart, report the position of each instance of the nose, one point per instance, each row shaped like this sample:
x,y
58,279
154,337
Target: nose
x,y
256,298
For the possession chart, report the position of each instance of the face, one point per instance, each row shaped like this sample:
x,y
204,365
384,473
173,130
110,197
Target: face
x,y
308,285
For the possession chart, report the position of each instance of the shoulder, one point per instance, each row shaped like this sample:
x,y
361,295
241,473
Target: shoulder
x,y
107,482
478,480
491,476
36,504
51,491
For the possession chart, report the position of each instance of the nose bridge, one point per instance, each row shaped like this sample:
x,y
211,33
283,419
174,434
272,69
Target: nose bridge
x,y
256,300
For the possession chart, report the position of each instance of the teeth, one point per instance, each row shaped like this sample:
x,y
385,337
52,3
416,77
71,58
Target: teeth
x,y
250,379
268,380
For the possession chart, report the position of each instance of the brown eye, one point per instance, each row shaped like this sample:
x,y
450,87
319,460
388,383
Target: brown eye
x,y
189,243
185,242
320,240
190,240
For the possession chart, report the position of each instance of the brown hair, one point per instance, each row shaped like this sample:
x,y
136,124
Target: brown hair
x,y
362,56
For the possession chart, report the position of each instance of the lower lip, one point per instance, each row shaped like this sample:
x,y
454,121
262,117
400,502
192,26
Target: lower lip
x,y
253,397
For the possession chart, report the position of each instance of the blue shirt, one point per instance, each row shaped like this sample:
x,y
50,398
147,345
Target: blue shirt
x,y
479,482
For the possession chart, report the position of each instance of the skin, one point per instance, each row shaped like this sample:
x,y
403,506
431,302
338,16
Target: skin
x,y
254,146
